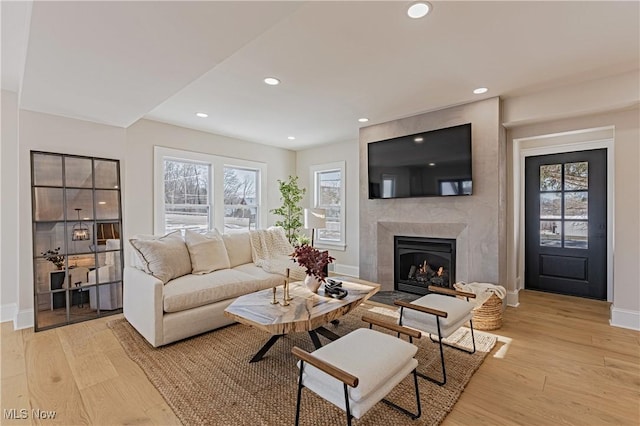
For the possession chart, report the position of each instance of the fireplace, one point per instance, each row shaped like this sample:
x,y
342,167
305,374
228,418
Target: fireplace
x,y
421,262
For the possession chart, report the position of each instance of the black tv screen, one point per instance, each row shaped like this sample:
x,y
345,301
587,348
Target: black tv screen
x,y
427,164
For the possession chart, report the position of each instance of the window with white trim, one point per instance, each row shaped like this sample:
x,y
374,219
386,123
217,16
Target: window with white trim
x,y
186,195
328,193
202,191
241,208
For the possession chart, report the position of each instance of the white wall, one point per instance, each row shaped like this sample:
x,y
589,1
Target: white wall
x,y
132,146
477,222
347,260
145,134
626,267
9,215
44,132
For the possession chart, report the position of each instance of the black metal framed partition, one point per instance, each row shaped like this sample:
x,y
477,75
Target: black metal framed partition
x,y
77,238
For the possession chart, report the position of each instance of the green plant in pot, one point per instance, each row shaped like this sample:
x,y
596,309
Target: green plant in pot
x,y
291,212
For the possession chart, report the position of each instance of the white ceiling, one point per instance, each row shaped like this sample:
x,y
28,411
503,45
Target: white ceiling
x,y
117,62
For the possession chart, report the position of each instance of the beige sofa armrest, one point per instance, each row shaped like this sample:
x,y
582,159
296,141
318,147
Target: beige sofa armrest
x,y
143,304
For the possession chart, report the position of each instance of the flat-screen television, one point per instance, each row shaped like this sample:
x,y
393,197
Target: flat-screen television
x,y
427,164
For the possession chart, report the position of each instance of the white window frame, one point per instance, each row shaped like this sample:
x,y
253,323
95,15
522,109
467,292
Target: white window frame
x,y
322,168
216,176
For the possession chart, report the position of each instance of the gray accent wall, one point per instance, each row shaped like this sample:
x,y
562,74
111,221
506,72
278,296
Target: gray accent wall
x,y
477,222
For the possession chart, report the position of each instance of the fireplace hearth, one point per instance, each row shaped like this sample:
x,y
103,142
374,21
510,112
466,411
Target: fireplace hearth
x,y
421,262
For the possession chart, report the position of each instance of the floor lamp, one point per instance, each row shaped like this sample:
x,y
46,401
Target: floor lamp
x,y
315,219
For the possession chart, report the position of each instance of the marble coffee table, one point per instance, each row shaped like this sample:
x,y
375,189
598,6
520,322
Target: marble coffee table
x,y
307,311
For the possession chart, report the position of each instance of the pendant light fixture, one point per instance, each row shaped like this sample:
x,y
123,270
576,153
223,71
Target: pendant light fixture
x,y
80,231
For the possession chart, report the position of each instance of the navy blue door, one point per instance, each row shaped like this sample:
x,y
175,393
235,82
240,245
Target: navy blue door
x,y
566,223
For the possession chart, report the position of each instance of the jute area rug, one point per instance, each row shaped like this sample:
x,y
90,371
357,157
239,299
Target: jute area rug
x,y
208,379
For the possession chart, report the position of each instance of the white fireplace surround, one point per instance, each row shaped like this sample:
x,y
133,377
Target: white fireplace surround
x,y
385,231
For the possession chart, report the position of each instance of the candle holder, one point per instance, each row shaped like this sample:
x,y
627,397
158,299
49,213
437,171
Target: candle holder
x,y
274,301
286,287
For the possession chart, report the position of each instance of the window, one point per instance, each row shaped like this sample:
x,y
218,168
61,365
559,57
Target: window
x,y
201,191
455,187
328,194
240,198
186,195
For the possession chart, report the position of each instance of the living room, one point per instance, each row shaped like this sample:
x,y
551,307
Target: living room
x,y
118,96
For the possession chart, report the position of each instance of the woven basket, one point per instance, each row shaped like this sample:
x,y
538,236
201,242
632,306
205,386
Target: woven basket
x,y
489,315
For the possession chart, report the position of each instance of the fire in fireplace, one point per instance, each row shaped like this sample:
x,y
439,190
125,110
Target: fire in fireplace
x,y
421,262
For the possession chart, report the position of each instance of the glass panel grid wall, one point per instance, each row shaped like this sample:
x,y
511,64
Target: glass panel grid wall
x,y
77,222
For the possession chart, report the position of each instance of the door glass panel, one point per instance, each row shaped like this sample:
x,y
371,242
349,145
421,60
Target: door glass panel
x,y
551,233
576,205
47,170
77,172
576,234
551,177
550,205
576,176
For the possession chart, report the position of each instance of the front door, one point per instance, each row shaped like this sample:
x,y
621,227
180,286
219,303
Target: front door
x,y
566,223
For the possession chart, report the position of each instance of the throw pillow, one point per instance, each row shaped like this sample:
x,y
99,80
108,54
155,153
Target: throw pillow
x,y
238,247
207,252
165,258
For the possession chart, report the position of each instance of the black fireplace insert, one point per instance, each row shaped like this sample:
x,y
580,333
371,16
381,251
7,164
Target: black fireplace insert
x,y
421,262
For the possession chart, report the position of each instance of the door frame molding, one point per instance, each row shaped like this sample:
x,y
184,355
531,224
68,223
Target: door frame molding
x,y
587,139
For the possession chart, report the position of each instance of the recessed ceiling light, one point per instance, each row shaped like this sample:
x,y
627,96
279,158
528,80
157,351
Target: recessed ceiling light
x,y
291,138
272,81
86,218
202,114
102,202
480,90
432,164
419,9
363,120
418,139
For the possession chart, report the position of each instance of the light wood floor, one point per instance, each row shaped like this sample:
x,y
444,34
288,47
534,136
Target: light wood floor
x,y
558,362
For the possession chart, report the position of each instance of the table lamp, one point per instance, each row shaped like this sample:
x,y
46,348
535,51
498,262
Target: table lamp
x,y
315,219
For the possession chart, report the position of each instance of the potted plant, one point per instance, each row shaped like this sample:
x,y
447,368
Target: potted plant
x,y
315,262
54,257
291,211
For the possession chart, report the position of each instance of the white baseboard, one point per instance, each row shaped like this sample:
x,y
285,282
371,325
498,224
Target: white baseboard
x,y
24,319
352,271
625,318
8,312
513,299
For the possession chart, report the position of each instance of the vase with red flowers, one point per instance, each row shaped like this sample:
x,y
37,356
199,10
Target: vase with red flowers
x,y
315,262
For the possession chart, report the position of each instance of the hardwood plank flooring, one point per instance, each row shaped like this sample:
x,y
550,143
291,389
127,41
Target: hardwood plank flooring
x,y
558,362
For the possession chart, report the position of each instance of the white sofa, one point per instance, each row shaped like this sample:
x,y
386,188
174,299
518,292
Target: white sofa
x,y
177,308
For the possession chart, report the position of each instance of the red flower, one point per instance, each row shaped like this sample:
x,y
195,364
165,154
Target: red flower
x,y
314,260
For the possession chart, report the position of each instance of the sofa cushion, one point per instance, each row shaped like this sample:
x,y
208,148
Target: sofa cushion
x,y
262,278
238,246
191,291
165,258
207,251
